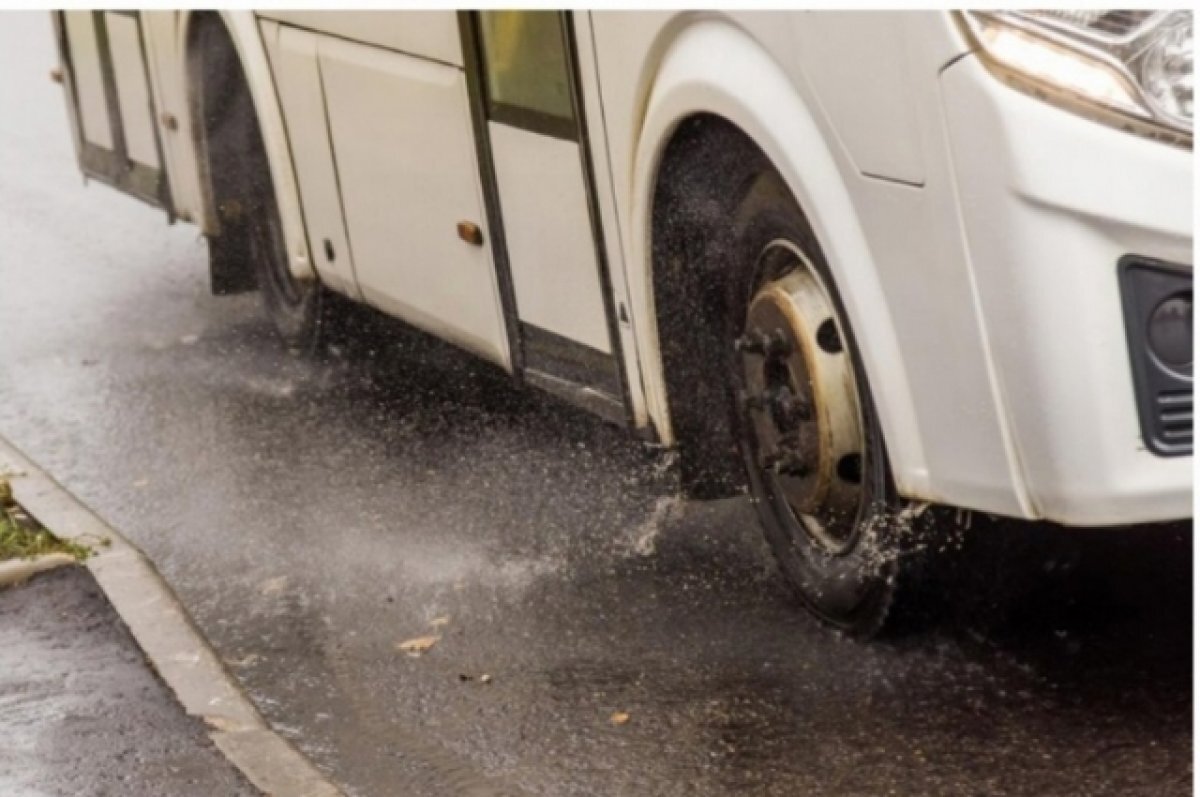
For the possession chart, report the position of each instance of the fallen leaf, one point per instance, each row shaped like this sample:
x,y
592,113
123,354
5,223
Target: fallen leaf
x,y
273,586
415,647
619,718
249,660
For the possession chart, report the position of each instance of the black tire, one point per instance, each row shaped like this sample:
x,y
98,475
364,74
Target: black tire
x,y
297,308
850,585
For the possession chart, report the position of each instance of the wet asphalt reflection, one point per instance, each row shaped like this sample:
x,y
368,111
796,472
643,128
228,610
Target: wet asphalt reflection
x,y
314,512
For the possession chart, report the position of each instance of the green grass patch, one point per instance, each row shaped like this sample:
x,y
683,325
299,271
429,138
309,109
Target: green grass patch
x,y
21,537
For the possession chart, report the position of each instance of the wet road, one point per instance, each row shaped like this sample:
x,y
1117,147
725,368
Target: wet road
x,y
81,711
313,513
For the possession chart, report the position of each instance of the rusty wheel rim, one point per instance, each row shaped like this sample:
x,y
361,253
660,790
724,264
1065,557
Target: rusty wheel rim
x,y
800,401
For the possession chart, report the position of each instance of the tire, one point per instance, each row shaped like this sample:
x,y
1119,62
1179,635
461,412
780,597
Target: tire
x,y
804,420
296,308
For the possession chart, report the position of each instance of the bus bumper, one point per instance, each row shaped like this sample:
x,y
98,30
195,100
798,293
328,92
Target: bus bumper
x,y
1050,203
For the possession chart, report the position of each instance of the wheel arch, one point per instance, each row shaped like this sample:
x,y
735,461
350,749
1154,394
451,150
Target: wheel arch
x,y
242,32
748,90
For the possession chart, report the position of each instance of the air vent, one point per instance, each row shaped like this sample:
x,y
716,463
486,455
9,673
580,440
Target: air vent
x,y
1175,418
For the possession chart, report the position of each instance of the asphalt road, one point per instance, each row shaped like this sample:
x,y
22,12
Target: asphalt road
x,y
312,513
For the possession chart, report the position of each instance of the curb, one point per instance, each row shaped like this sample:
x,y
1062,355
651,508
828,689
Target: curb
x,y
16,571
165,633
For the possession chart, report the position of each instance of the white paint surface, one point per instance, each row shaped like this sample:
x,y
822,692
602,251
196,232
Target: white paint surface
x,y
550,246
293,55
133,92
858,66
89,87
425,34
405,154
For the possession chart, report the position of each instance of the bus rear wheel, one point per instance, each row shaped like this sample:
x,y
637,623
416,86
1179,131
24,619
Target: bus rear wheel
x,y
295,307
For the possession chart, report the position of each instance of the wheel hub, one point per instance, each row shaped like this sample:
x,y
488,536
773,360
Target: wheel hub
x,y
801,404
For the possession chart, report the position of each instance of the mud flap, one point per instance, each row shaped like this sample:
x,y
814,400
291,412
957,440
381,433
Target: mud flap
x,y
228,267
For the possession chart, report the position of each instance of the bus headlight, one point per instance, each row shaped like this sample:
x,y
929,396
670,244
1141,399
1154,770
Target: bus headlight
x,y
1134,67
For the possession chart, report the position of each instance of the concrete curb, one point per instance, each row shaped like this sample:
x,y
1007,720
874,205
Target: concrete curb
x,y
15,571
166,634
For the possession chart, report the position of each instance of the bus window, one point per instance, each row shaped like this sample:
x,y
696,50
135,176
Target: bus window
x,y
526,64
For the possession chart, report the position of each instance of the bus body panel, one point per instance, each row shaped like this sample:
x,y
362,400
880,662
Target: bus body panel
x,y
432,35
165,52
293,56
546,219
403,142
616,230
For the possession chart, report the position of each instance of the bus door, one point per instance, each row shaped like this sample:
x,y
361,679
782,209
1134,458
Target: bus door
x,y
110,103
540,191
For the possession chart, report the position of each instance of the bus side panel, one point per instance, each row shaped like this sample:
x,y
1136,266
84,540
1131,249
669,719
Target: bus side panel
x,y
426,34
293,56
404,146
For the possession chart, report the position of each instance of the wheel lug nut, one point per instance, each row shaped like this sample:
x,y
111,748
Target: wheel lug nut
x,y
770,345
776,345
750,343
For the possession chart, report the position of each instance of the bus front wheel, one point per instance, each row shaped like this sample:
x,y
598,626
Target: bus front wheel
x,y
804,421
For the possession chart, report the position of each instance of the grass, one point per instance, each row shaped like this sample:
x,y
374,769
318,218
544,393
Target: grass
x,y
21,537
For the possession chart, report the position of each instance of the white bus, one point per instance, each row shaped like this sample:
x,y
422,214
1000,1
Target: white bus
x,y
853,263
